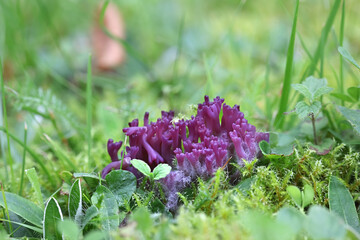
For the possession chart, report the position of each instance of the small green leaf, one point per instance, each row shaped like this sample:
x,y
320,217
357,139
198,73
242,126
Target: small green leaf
x,y
273,139
141,166
106,202
75,202
314,85
275,152
86,175
91,179
265,147
295,194
52,215
348,56
342,97
156,206
23,207
324,148
303,109
353,116
161,171
321,91
342,203
303,90
283,150
312,88
354,92
122,184
66,176
69,229
34,179
308,195
245,185
90,213
321,224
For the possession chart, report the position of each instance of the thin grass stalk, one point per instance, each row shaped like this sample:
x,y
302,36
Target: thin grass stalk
x,y
179,48
304,46
176,62
323,38
6,122
3,148
23,162
322,58
6,207
268,105
279,120
89,109
341,42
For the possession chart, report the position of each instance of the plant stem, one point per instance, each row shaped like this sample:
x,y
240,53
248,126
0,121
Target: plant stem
x,y
314,128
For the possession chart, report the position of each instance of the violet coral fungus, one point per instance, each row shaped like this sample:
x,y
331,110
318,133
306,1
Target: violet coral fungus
x,y
200,145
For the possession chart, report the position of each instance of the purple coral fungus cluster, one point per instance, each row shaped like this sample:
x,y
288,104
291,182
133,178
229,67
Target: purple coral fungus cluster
x,y
200,145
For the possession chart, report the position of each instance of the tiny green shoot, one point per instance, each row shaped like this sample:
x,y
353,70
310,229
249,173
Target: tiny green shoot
x,y
312,89
159,172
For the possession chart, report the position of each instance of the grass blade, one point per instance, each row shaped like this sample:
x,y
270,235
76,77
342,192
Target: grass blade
x,y
89,109
35,157
5,206
279,120
36,229
23,162
345,53
60,153
341,41
324,35
34,179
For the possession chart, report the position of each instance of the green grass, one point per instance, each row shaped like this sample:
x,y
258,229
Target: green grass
x,y
89,110
248,52
9,159
23,162
279,120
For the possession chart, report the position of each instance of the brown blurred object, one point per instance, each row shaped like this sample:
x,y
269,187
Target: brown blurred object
x,y
108,53
8,70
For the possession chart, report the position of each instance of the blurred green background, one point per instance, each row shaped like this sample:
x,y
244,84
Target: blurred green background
x,y
177,51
